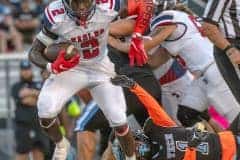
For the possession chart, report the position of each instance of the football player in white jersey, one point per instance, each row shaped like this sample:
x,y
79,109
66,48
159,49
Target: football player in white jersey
x,y
173,77
85,23
179,32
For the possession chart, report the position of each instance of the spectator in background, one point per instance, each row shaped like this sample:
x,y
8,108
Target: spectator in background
x,y
26,21
40,6
9,36
28,133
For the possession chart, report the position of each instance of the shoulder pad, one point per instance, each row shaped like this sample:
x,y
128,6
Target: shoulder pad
x,y
164,18
53,14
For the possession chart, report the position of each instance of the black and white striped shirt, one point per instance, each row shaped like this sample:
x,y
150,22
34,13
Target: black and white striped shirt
x,y
225,14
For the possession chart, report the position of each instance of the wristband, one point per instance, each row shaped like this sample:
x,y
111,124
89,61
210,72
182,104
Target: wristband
x,y
228,47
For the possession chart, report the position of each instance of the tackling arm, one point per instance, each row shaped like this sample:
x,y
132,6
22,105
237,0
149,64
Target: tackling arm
x,y
158,37
157,114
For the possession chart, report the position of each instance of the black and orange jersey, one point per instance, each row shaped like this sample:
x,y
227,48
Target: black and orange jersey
x,y
170,142
155,111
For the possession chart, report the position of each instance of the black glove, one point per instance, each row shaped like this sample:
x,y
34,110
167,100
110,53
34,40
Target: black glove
x,y
123,81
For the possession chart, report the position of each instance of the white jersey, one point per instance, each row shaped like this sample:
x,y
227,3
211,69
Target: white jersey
x,y
186,40
91,39
163,69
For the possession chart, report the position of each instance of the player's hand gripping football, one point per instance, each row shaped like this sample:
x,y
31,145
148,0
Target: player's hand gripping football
x,y
123,81
62,63
137,53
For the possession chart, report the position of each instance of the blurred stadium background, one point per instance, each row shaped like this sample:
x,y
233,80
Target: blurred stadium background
x,y
11,19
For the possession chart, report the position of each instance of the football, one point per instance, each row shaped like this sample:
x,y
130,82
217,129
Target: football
x,y
51,52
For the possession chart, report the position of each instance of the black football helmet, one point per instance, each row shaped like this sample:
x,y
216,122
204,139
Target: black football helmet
x,y
80,10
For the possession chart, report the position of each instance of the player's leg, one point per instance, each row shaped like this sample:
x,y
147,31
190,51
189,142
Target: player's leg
x,y
111,101
91,119
24,156
37,154
56,90
173,93
219,94
150,84
143,75
86,139
228,72
194,103
86,145
108,153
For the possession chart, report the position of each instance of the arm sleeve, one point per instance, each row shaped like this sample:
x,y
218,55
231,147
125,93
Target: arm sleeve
x,y
214,10
155,111
144,10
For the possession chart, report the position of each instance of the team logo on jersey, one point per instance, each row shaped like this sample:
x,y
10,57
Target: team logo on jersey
x,y
202,147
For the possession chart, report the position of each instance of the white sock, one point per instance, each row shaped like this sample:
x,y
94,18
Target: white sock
x,y
131,158
61,143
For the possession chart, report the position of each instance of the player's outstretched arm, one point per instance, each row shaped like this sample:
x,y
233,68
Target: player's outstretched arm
x,y
157,37
143,9
155,111
35,54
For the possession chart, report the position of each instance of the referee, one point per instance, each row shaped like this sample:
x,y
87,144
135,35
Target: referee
x,y
222,26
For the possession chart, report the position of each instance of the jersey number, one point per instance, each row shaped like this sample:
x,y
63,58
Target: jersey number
x,y
90,48
56,12
196,24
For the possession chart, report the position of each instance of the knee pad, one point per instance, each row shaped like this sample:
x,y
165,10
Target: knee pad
x,y
48,107
122,130
47,123
188,116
